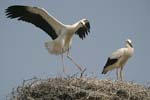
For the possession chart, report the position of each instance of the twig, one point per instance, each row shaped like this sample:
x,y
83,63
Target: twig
x,y
81,75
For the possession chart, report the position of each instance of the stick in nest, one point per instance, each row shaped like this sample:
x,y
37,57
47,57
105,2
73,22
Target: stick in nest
x,y
81,75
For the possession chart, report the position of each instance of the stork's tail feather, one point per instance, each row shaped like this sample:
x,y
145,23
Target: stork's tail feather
x,y
104,71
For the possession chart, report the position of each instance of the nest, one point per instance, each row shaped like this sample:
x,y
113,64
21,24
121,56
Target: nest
x,y
73,88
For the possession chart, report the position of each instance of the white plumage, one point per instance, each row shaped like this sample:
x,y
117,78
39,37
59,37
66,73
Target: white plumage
x,y
118,59
60,33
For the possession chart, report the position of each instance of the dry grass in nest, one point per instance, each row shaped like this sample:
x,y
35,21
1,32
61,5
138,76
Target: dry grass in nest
x,y
84,88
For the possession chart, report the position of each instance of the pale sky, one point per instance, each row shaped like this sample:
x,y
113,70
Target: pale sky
x,y
23,55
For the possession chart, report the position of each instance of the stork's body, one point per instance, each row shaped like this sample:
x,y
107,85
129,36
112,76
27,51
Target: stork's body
x,y
61,34
63,43
118,59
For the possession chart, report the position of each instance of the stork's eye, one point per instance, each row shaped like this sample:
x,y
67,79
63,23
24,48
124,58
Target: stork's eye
x,y
81,23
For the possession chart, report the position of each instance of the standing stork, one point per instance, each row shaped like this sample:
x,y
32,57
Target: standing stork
x,y
118,59
60,33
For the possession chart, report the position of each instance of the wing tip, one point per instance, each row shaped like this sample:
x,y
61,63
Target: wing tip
x,y
14,11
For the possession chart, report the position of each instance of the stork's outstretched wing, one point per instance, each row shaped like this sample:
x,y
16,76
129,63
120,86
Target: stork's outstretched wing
x,y
37,16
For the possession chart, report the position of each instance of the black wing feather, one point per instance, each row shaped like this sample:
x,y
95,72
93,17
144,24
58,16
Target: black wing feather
x,y
110,62
23,13
84,30
81,32
87,24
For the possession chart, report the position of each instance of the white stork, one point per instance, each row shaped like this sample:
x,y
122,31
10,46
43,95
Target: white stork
x,y
60,33
119,58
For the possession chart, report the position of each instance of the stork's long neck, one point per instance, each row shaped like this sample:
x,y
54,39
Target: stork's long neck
x,y
71,30
76,26
130,49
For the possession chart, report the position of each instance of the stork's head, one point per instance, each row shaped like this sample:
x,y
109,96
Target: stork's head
x,y
85,23
129,43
